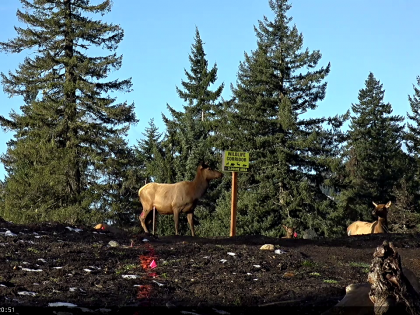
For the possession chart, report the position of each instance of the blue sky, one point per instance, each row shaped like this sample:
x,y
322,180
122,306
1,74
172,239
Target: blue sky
x,y
357,37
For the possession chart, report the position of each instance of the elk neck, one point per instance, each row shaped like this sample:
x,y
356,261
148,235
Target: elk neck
x,y
200,185
381,223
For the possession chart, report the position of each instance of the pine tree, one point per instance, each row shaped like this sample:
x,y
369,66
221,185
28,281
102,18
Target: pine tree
x,y
411,179
191,129
291,155
374,158
189,137
68,148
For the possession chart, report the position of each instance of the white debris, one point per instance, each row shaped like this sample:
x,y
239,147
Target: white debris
x,y
57,304
74,229
249,274
25,263
279,251
129,276
58,267
206,257
145,240
2,285
221,312
223,261
36,283
35,270
27,293
257,266
42,259
9,233
93,267
87,270
72,289
231,254
159,284
255,279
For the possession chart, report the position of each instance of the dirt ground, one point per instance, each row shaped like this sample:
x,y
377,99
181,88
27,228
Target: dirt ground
x,y
41,265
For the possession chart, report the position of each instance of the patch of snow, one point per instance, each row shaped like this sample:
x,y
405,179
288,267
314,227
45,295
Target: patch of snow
x,y
231,254
57,304
129,276
72,289
221,312
27,293
43,260
257,266
58,267
74,229
223,261
9,233
87,270
35,270
145,240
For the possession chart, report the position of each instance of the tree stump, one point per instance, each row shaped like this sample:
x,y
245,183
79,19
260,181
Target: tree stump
x,y
391,292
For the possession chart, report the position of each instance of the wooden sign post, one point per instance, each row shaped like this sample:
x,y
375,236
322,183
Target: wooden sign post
x,y
234,162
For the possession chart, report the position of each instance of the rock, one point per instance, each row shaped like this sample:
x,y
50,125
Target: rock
x,y
113,244
309,234
267,247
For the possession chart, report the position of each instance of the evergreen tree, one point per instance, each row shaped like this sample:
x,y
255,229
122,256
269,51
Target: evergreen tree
x,y
374,158
291,155
411,179
191,129
68,150
189,136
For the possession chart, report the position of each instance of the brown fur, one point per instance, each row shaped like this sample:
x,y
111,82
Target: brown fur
x,y
289,231
379,226
176,198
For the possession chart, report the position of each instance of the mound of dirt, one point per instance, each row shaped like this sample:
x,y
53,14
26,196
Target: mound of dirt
x,y
44,265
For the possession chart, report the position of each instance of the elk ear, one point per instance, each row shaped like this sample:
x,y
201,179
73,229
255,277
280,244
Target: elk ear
x,y
388,204
374,204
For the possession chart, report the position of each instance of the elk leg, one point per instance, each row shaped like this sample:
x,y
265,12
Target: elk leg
x,y
142,218
190,217
176,219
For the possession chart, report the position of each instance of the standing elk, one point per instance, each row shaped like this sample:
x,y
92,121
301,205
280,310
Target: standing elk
x,y
176,198
379,226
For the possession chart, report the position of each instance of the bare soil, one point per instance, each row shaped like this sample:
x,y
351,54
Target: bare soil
x,y
50,263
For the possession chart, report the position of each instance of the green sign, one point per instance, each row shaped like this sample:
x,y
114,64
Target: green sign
x,y
235,161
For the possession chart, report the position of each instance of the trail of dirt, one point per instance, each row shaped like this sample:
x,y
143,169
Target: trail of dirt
x,y
50,263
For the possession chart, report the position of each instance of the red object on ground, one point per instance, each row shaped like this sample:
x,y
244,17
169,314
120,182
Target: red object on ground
x,y
147,262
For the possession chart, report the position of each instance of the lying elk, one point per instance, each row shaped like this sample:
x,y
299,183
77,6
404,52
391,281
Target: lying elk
x,y
176,198
290,232
379,226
